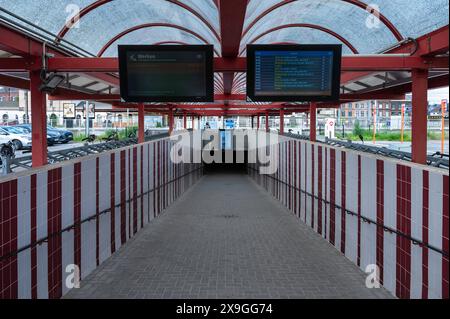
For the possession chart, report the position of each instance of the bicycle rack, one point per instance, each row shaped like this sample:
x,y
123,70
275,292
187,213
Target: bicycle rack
x,y
25,162
436,160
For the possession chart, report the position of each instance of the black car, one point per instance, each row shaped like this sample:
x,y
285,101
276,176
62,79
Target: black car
x,y
52,137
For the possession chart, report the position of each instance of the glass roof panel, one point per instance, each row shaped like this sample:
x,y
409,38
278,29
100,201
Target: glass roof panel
x,y
114,17
343,18
255,8
207,9
153,36
300,36
48,14
414,18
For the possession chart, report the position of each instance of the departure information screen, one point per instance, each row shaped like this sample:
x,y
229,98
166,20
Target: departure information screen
x,y
154,74
293,74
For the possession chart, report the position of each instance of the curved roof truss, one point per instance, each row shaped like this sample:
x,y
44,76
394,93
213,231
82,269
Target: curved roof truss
x,y
150,25
100,3
305,25
357,3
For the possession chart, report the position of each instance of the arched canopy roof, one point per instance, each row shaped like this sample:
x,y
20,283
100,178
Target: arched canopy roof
x,y
99,26
304,21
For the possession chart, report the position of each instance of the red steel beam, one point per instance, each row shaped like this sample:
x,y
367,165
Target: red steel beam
x,y
304,25
218,108
430,44
354,63
100,3
230,65
239,112
14,82
20,44
357,3
65,94
232,17
170,42
433,83
230,97
15,64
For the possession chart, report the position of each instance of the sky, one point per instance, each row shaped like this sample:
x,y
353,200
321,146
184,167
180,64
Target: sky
x,y
436,96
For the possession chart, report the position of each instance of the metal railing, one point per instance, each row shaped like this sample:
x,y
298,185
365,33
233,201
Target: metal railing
x,y
436,160
94,216
385,228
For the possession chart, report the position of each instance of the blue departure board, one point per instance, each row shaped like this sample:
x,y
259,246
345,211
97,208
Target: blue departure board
x,y
290,74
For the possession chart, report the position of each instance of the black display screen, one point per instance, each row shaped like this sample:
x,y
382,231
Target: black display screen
x,y
293,72
166,73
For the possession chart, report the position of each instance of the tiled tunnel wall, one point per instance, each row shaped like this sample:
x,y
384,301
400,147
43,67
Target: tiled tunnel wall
x,y
396,213
80,212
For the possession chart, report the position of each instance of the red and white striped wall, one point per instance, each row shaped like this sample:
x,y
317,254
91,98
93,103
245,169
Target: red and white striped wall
x,y
80,212
318,182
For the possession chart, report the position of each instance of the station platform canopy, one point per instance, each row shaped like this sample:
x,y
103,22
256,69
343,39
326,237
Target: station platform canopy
x,y
87,28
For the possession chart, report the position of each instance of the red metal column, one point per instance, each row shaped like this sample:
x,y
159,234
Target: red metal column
x,y
170,120
419,115
257,122
199,122
267,122
281,121
184,120
38,121
312,121
141,123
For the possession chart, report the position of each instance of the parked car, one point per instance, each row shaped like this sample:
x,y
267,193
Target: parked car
x,y
65,135
19,139
59,135
52,137
4,137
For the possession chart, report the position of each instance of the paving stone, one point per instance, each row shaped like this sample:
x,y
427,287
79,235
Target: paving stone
x,y
227,238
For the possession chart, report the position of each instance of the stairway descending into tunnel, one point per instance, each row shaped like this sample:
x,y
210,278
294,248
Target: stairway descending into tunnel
x,y
227,238
139,225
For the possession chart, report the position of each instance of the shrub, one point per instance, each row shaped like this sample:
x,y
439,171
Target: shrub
x,y
357,130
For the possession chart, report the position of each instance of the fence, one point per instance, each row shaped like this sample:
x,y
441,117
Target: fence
x,y
375,210
80,212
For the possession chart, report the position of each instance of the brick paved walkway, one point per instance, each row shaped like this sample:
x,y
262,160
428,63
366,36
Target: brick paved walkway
x,y
226,238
